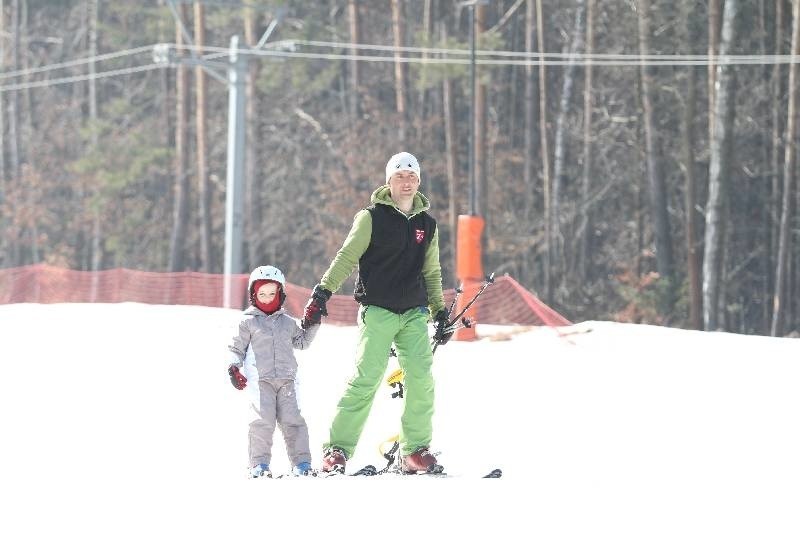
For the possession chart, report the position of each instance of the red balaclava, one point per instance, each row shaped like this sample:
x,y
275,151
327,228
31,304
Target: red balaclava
x,y
275,304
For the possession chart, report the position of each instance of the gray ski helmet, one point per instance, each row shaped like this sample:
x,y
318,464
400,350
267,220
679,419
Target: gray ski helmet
x,y
266,273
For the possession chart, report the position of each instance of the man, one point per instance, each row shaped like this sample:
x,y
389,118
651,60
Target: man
x,y
395,245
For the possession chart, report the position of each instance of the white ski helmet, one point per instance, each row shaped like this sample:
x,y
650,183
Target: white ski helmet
x,y
266,273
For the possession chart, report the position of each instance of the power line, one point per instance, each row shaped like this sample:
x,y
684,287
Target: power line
x,y
525,59
76,62
82,77
550,58
528,58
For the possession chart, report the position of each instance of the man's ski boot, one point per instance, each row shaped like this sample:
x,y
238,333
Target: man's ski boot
x,y
260,470
421,461
302,469
334,460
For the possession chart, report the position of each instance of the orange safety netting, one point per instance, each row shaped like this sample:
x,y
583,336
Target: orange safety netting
x,y
504,302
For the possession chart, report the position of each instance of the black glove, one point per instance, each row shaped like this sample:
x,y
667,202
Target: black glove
x,y
237,379
440,322
316,307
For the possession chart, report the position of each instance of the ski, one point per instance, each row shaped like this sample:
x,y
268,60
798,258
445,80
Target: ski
x,y
370,471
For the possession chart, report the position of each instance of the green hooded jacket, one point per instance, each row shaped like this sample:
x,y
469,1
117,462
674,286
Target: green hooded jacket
x,y
358,240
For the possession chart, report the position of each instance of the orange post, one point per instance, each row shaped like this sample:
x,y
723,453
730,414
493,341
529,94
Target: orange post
x,y
468,268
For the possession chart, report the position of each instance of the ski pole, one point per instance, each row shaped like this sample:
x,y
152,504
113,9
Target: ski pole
x,y
459,290
465,323
489,280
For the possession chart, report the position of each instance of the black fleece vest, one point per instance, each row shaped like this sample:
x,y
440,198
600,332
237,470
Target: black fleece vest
x,y
390,271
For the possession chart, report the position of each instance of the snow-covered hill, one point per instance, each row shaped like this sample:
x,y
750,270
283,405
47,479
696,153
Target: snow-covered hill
x,y
121,417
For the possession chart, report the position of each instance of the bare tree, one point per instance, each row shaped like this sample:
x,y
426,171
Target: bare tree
x,y
531,131
399,71
545,155
97,235
13,120
560,141
252,199
203,192
355,38
688,142
3,249
775,161
713,50
481,126
448,110
427,30
177,247
787,208
585,227
719,169
658,194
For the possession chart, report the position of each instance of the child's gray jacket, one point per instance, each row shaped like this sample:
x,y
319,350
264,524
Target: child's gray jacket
x,y
268,341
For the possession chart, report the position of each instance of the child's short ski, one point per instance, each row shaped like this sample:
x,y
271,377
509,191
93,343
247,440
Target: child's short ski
x,y
311,473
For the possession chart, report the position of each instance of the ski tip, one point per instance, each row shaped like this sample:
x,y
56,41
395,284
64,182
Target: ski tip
x,y
368,470
436,469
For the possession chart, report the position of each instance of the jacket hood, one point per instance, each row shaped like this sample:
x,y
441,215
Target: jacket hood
x,y
382,195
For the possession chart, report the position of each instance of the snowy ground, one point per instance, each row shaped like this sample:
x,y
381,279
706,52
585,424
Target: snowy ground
x,y
121,418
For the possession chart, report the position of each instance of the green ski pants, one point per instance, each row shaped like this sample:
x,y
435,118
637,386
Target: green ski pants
x,y
378,328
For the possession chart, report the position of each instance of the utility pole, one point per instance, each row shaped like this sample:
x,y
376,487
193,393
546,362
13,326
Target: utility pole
x,y
234,203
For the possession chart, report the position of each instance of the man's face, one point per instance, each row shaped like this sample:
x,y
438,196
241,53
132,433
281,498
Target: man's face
x,y
266,293
403,185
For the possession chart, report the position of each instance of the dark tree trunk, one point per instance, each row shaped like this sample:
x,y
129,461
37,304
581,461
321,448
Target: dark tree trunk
x,y
718,172
586,225
203,192
783,267
531,134
545,155
658,192
177,246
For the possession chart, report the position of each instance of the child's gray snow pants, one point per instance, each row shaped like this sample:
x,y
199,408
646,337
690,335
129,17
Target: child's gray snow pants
x,y
276,402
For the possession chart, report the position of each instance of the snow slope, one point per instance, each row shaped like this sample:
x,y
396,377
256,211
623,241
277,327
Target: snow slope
x,y
120,417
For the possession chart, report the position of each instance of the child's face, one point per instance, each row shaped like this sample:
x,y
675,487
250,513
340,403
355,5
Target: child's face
x,y
267,292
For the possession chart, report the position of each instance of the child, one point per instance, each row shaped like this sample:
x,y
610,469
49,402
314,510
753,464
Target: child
x,y
263,348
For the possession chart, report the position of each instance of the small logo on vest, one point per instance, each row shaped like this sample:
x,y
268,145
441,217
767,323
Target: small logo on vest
x,y
420,235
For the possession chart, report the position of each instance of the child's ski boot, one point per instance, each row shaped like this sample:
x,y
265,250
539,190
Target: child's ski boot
x,y
260,470
302,469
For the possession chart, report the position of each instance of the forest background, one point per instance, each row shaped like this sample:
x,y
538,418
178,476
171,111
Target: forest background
x,y
634,160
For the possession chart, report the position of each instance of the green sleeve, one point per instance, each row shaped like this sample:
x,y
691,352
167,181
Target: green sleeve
x,y
347,257
432,274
